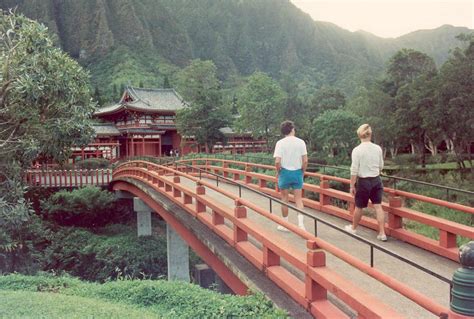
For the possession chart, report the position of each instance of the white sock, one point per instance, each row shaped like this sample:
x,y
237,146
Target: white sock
x,y
285,218
300,219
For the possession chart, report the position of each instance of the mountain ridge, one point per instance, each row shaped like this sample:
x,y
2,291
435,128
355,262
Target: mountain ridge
x,y
240,36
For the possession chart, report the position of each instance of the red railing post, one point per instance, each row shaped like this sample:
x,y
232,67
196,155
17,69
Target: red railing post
x,y
225,165
80,177
240,211
324,199
75,177
394,221
200,190
248,169
315,257
176,192
96,177
70,178
262,183
103,177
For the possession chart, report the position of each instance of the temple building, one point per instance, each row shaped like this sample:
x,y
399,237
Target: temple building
x,y
142,123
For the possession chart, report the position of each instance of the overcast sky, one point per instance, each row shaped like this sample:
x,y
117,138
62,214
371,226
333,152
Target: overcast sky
x,y
390,18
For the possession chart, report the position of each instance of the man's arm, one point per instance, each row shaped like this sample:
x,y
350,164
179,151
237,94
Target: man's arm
x,y
278,164
305,163
354,171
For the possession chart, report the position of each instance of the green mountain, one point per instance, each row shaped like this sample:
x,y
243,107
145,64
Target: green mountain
x,y
145,41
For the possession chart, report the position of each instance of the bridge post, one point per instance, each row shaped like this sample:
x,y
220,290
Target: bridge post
x,y
178,256
248,169
200,190
143,217
394,221
315,257
324,199
239,212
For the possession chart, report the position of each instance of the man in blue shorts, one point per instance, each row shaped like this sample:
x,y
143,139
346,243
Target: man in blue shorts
x,y
291,160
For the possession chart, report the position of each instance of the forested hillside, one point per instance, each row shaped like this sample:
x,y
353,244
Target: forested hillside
x,y
147,41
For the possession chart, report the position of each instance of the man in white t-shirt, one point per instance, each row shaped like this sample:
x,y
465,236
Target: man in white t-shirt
x,y
291,160
367,164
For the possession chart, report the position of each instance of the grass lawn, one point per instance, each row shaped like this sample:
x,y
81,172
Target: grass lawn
x,y
55,305
46,296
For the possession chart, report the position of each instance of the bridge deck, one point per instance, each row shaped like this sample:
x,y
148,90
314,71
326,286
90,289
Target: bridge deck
x,y
416,279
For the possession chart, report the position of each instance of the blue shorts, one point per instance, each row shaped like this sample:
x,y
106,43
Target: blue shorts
x,y
290,179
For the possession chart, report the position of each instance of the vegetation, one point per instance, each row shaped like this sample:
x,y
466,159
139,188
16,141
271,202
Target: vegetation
x,y
84,207
45,107
123,298
205,114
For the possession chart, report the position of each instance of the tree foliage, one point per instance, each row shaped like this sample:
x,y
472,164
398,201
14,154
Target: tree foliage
x,y
261,106
334,132
45,103
205,114
45,108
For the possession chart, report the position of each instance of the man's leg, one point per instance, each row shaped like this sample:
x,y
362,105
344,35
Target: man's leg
x,y
299,203
284,198
380,218
356,218
284,208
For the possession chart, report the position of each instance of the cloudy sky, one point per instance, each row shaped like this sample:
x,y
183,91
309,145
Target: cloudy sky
x,y
390,18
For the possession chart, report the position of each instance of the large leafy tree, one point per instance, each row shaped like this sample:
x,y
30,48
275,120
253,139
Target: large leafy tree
x,y
453,114
45,108
334,133
205,114
409,81
261,106
327,98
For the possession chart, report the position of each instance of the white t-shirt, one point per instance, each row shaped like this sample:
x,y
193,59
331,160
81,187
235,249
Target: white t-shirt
x,y
367,160
291,150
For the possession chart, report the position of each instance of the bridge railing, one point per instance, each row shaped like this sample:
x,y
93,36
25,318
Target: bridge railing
x,y
330,201
234,226
67,178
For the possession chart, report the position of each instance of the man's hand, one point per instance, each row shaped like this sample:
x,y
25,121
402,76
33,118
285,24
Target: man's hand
x,y
353,190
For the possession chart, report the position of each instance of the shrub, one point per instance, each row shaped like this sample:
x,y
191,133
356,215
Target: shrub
x,y
85,207
93,163
114,252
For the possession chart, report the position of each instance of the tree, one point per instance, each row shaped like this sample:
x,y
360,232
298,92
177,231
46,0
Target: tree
x,y
334,132
327,98
261,106
453,113
45,109
409,81
205,114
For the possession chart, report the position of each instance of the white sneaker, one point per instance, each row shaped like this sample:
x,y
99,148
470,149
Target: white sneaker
x,y
349,229
281,228
301,222
382,237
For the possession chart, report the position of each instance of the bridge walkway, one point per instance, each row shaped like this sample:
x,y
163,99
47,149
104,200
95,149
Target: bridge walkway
x,y
426,284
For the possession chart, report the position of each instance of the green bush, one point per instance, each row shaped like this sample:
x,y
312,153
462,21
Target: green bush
x,y
169,299
84,207
113,252
93,163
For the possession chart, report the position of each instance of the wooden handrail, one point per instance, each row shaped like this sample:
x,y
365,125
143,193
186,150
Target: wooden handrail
x,y
152,173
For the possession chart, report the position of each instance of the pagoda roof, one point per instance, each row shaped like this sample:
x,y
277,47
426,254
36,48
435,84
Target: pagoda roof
x,y
145,100
106,129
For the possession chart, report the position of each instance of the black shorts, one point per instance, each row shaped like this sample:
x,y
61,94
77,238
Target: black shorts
x,y
368,188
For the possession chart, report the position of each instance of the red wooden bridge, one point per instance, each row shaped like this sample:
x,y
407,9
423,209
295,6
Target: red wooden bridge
x,y
327,272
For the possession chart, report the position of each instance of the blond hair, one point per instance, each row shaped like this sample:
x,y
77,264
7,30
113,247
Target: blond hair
x,y
364,131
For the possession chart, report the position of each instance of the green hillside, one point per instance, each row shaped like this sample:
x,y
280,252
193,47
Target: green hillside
x,y
64,297
142,42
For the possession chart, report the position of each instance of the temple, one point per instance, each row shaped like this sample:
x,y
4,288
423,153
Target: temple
x,y
142,123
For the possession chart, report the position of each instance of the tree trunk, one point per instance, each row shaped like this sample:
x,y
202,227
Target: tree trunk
x,y
430,146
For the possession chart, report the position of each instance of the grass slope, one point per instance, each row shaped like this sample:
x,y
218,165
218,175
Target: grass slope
x,y
53,305
60,297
